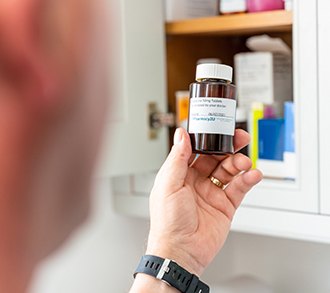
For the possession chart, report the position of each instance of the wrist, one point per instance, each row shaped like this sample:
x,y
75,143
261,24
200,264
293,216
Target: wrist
x,y
144,284
171,273
176,254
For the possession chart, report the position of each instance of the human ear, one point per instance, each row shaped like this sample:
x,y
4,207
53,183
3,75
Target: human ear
x,y
40,48
23,64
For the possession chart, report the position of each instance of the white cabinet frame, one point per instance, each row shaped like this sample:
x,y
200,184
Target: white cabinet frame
x,y
303,194
324,102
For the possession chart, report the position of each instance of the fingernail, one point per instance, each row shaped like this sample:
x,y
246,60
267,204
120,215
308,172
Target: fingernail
x,y
177,136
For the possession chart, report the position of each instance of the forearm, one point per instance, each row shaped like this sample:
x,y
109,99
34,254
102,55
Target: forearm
x,y
147,284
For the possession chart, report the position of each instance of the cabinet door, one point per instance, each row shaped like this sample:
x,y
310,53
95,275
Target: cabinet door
x,y
324,101
301,194
136,79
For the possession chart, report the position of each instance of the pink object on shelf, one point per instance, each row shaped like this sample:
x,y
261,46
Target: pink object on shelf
x,y
264,5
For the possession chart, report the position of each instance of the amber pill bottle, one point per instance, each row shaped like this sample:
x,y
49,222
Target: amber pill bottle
x,y
212,110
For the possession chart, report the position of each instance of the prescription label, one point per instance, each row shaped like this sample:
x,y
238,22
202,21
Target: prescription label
x,y
212,115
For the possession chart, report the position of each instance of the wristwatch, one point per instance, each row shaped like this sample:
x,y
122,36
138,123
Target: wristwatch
x,y
171,273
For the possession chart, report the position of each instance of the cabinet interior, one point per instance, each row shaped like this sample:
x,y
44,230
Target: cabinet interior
x,y
183,51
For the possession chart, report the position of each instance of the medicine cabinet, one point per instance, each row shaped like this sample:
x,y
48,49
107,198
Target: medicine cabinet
x,y
223,37
295,209
136,81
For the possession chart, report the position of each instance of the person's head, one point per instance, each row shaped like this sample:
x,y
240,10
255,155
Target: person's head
x,y
52,103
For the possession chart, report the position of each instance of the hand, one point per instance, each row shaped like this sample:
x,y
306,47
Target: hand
x,y
191,216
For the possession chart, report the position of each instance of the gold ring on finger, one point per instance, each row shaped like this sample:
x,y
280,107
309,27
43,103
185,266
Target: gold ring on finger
x,y
216,182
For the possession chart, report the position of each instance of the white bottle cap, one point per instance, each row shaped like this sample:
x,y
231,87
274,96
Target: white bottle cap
x,y
214,71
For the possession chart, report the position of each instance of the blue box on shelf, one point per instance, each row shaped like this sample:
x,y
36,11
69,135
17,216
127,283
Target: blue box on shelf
x,y
290,160
289,133
271,139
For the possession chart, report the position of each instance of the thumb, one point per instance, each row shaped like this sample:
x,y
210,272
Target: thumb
x,y
172,175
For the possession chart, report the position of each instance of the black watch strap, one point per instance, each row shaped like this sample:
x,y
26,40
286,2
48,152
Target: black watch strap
x,y
171,273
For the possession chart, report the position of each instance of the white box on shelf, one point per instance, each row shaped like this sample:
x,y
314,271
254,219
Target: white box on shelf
x,y
232,6
264,77
184,9
288,4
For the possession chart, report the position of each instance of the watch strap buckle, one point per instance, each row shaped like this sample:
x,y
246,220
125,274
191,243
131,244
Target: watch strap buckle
x,y
164,269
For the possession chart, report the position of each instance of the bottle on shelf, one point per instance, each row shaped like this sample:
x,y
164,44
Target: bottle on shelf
x,y
264,5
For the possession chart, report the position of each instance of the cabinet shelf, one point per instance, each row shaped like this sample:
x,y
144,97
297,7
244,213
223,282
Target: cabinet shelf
x,y
248,23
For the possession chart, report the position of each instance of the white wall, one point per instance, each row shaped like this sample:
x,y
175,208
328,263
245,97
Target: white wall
x,y
286,265
102,255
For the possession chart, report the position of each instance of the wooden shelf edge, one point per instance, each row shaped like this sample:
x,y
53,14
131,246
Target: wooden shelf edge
x,y
270,21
